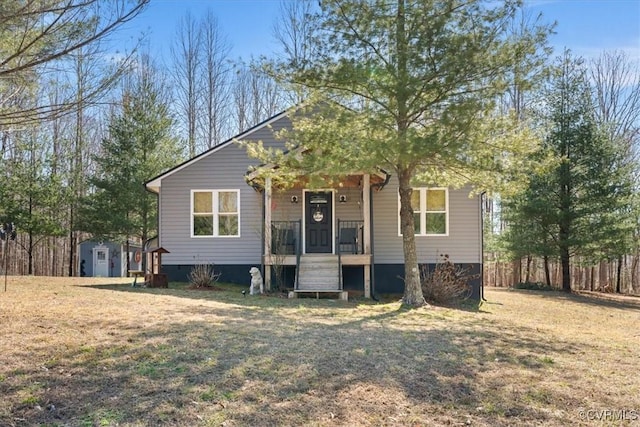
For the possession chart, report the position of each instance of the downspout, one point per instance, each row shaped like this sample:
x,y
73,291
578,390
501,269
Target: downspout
x,y
380,186
143,261
482,198
264,248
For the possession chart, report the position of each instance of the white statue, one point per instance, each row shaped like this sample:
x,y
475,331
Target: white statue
x,y
257,285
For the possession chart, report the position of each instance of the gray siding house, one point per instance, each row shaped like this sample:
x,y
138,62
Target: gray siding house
x,y
346,237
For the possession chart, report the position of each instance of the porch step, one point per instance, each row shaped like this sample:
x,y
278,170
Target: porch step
x,y
343,295
319,273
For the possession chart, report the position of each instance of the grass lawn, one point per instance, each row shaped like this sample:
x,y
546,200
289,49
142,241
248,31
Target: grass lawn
x,y
85,352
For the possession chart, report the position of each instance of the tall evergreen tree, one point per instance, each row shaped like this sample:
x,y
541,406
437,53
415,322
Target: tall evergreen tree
x,y
140,144
616,81
582,205
30,194
409,85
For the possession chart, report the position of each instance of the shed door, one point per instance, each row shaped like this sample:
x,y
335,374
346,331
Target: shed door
x,y
101,262
318,222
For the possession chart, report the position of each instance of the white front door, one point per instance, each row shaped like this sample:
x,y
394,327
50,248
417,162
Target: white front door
x,y
100,262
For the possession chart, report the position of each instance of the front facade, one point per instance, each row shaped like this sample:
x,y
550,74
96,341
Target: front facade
x,y
343,237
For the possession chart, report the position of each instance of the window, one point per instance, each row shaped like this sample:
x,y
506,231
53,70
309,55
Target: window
x,y
430,211
215,213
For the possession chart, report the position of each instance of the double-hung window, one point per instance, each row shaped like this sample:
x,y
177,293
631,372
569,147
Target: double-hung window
x,y
430,211
215,213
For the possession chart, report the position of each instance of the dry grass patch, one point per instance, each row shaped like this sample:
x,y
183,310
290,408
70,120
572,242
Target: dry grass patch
x,y
80,352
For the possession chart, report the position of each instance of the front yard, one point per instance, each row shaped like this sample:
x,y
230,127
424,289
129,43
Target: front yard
x,y
83,352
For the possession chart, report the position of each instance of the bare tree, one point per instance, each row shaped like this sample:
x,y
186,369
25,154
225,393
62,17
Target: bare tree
x,y
36,33
215,77
256,96
241,97
58,130
616,81
518,97
186,61
92,76
293,30
265,95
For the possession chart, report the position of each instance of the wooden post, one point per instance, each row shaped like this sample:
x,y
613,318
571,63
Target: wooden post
x,y
267,233
366,234
367,281
366,212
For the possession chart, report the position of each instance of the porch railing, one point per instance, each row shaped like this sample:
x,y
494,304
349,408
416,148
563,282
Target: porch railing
x,y
286,239
349,241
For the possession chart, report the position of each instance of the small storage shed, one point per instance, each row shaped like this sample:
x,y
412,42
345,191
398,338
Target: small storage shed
x,y
101,258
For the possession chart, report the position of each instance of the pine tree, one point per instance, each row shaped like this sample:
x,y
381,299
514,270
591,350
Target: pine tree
x,y
30,194
140,144
582,205
409,86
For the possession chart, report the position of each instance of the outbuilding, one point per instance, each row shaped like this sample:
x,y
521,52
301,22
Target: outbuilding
x,y
103,258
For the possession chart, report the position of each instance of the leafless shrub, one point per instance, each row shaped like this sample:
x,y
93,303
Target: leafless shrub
x,y
203,276
447,282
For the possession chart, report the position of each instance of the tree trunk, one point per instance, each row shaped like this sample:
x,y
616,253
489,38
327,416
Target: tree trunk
x,y
566,270
547,273
634,268
412,287
127,250
72,244
30,254
516,271
619,276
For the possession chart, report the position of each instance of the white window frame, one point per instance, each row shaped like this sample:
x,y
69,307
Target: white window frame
x,y
423,212
216,214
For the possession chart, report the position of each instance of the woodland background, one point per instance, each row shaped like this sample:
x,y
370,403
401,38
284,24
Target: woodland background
x,y
81,130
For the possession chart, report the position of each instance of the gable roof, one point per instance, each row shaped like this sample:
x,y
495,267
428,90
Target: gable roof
x,y
155,183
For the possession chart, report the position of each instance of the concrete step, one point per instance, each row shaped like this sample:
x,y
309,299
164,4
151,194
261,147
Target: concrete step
x,y
343,295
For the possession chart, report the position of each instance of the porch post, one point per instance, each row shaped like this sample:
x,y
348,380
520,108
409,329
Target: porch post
x,y
267,233
366,233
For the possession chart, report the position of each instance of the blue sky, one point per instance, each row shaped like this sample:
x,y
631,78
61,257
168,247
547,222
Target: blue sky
x,y
585,26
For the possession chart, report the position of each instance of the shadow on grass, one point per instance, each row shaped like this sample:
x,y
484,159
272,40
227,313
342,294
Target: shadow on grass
x,y
622,302
232,294
253,367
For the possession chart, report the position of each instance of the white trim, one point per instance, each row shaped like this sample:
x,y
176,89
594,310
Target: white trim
x,y
268,214
214,206
333,216
155,184
423,211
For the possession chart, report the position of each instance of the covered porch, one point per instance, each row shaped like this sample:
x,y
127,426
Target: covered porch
x,y
319,232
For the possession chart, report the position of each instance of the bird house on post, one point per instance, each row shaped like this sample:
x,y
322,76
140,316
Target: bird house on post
x,y
154,278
